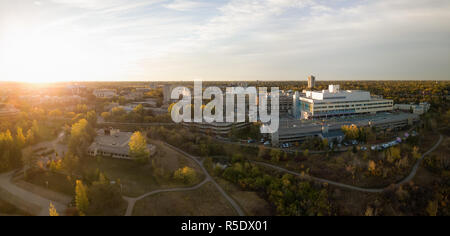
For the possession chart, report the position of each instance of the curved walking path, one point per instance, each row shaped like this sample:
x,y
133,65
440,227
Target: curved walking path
x,y
233,203
28,197
132,201
351,187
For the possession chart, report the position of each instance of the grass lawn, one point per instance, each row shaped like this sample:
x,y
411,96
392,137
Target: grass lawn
x,y
53,181
351,203
118,210
424,176
205,201
138,179
250,202
50,132
8,209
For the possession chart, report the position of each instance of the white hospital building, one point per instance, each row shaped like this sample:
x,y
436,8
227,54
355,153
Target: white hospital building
x,y
336,102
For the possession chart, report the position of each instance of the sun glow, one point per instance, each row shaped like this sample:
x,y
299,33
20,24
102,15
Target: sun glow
x,y
39,57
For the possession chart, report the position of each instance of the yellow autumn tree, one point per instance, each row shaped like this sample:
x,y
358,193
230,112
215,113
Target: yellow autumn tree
x,y
81,198
138,147
186,175
372,167
52,210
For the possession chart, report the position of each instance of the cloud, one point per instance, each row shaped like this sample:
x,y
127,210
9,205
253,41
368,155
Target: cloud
x,y
186,5
240,15
265,39
108,5
90,4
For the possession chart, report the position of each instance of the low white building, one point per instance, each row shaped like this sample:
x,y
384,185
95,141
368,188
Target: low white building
x,y
105,93
420,109
113,143
336,102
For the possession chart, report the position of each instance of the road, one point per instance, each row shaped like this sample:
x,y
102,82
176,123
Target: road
x,y
290,150
237,208
112,124
351,187
28,197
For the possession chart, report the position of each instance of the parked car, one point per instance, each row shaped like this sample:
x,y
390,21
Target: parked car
x,y
267,143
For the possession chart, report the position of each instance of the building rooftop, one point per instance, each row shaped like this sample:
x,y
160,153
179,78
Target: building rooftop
x,y
292,126
8,110
116,139
114,142
334,93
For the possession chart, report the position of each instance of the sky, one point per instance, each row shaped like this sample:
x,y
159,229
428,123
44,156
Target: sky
x,y
185,40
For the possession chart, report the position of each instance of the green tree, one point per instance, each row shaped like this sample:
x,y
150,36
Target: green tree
x,y
276,155
70,163
106,116
104,197
432,208
35,128
92,118
139,109
263,152
30,137
20,138
393,154
186,175
55,113
118,111
306,153
81,135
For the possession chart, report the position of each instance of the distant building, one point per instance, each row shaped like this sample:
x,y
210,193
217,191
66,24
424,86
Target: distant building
x,y
8,111
167,92
149,102
75,88
143,90
216,128
296,105
113,143
134,95
292,131
105,93
286,102
311,82
420,109
334,102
